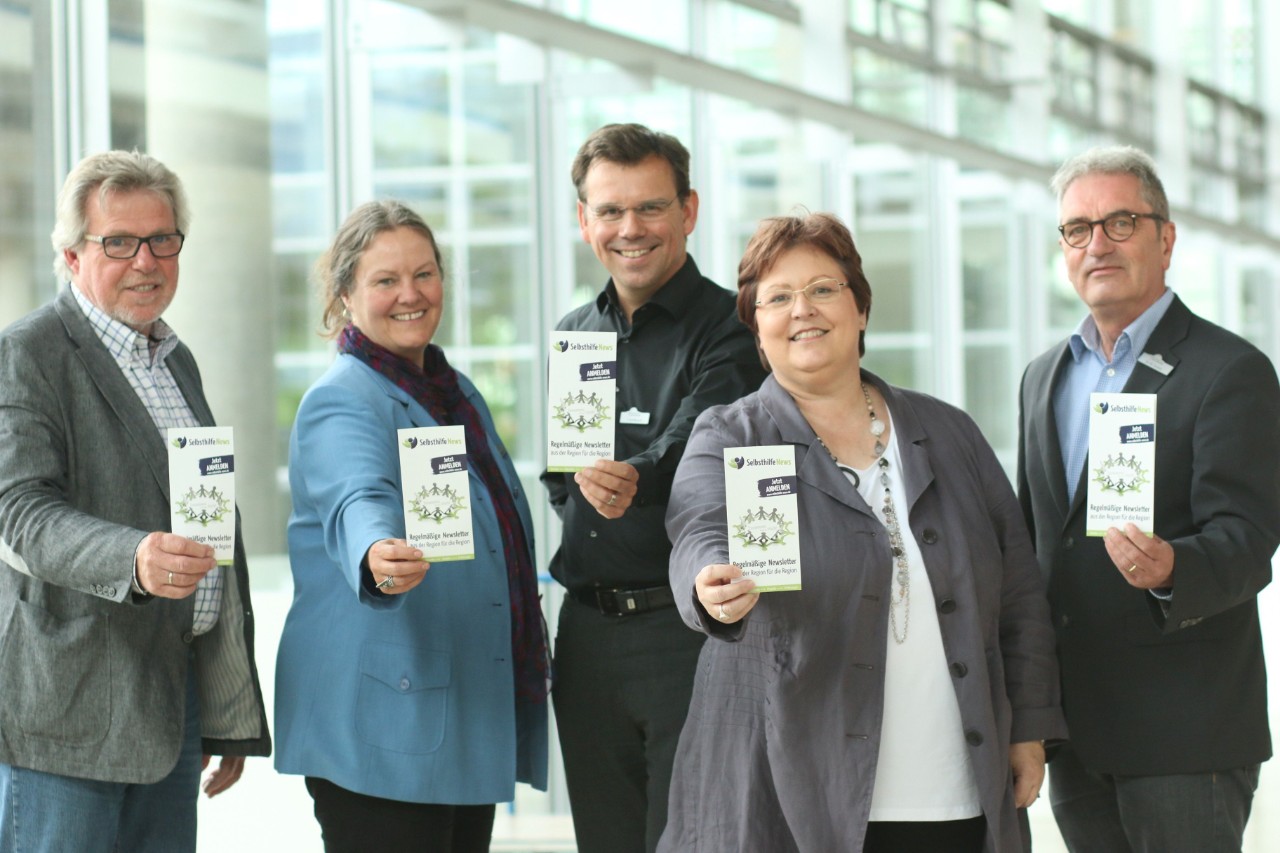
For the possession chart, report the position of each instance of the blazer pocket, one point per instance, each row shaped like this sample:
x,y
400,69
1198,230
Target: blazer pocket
x,y
402,703
57,675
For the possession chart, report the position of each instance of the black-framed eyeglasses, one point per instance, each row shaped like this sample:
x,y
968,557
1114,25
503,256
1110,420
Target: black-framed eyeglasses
x,y
1118,227
816,292
650,210
122,247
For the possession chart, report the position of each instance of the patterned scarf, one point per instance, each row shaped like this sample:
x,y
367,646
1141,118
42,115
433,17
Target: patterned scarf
x,y
436,389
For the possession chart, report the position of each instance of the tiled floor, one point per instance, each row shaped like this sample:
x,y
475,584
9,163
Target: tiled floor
x,y
267,812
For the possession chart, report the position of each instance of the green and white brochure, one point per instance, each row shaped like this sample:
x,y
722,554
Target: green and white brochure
x,y
202,487
1122,462
582,383
764,519
437,492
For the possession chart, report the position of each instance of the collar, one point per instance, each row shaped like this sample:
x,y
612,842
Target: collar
x,y
125,343
676,297
1087,338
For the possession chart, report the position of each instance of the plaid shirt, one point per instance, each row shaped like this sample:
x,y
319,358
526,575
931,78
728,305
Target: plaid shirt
x,y
142,361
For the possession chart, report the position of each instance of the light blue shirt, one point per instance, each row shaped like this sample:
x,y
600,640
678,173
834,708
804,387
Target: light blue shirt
x,y
1089,372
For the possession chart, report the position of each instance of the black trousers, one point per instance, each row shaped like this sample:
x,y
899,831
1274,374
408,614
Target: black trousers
x,y
621,695
357,823
944,836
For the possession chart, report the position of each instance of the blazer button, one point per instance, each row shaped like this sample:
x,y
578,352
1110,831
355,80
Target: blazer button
x,y
404,684
973,738
959,670
188,637
593,534
947,605
1068,542
930,536
1066,620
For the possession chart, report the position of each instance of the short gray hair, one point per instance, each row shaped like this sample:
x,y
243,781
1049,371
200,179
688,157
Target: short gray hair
x,y
1115,160
335,271
108,173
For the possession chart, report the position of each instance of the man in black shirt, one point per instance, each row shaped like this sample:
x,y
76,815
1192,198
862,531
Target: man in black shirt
x,y
624,661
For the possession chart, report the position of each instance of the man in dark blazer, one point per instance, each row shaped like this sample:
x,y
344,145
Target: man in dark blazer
x,y
126,657
1164,684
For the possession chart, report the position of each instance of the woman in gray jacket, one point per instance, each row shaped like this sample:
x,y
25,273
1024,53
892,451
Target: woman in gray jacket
x,y
899,701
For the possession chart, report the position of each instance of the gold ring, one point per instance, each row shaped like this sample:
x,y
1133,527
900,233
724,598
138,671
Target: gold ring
x,y
1133,568
724,617
170,578
613,499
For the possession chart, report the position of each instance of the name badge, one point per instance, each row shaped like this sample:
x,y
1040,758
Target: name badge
x,y
1156,362
633,416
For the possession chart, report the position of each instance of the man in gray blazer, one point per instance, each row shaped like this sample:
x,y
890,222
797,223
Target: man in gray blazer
x,y
126,656
1164,684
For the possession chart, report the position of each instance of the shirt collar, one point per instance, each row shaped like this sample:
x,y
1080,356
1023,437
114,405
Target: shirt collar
x,y
674,297
1086,337
127,344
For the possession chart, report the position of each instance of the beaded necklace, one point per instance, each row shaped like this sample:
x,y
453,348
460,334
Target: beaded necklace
x,y
900,599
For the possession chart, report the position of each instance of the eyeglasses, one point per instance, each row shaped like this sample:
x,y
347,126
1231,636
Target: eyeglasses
x,y
816,292
649,210
1118,227
122,247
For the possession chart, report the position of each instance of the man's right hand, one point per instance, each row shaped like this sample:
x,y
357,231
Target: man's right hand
x,y
170,566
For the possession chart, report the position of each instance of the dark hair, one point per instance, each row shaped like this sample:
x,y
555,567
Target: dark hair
x,y
779,234
335,271
1115,160
627,145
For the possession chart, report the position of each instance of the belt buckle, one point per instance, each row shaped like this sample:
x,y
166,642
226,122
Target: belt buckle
x,y
619,602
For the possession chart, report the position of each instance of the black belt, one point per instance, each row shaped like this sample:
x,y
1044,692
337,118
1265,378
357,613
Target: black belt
x,y
624,602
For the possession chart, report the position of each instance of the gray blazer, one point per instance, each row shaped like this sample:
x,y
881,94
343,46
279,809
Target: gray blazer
x,y
94,681
779,751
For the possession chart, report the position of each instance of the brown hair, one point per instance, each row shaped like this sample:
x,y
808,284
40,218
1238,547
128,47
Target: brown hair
x,y
627,145
335,271
780,234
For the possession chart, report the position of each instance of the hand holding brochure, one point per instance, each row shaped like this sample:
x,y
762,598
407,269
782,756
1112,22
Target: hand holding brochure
x,y
202,488
436,492
764,519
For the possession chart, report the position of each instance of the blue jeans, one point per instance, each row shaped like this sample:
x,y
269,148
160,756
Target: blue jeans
x,y
1195,813
48,813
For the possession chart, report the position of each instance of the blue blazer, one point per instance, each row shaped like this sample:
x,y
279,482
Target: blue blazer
x,y
407,697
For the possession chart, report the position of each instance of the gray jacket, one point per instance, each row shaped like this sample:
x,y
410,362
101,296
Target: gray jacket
x,y
779,751
94,681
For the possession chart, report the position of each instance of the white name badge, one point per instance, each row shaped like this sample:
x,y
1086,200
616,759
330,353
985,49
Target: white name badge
x,y
634,416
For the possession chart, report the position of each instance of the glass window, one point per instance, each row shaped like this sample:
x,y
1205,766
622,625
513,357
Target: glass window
x,y
25,259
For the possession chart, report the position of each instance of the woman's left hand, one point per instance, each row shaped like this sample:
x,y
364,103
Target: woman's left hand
x,y
1027,761
723,597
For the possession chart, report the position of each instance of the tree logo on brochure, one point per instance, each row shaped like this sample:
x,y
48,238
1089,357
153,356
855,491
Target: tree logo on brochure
x,y
760,528
1121,474
582,411
204,505
437,503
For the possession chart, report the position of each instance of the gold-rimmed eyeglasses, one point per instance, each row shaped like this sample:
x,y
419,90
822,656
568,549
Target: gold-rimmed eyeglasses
x,y
816,292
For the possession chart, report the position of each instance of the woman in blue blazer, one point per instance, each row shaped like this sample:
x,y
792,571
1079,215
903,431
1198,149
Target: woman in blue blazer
x,y
411,696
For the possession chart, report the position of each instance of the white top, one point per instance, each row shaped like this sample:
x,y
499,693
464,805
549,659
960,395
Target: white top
x,y
924,772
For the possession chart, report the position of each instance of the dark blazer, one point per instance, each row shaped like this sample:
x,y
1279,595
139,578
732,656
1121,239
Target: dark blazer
x,y
780,747
92,681
1152,689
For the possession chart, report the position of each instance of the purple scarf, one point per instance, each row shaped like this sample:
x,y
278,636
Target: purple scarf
x,y
436,389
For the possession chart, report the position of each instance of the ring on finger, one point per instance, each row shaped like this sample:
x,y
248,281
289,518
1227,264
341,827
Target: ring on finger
x,y
386,583
1133,568
613,499
724,617
170,578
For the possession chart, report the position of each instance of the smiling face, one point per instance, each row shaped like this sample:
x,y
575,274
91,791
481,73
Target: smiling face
x,y
808,345
641,255
137,290
1118,281
398,297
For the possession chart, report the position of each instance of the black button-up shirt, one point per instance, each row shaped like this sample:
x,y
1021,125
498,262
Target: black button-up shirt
x,y
684,351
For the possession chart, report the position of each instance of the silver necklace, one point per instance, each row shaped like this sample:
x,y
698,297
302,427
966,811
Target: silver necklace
x,y
901,597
